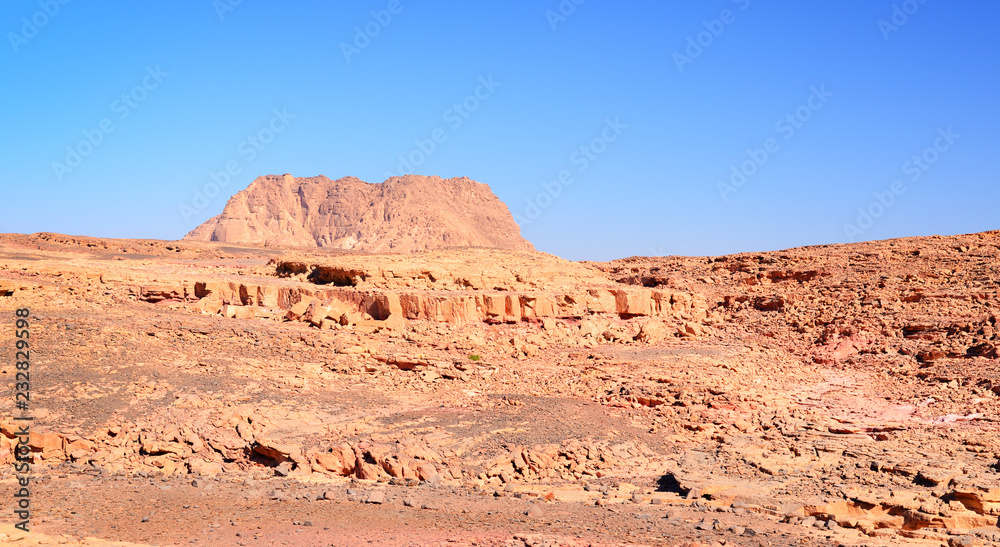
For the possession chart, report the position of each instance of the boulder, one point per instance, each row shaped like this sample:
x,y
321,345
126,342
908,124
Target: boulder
x,y
245,312
333,462
205,468
691,330
298,310
210,305
652,331
49,446
395,322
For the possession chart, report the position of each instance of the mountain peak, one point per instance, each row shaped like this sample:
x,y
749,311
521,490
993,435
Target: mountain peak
x,y
408,213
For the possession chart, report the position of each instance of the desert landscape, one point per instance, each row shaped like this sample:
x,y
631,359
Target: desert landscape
x,y
333,362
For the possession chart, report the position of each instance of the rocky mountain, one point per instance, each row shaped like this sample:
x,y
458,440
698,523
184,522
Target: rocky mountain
x,y
403,214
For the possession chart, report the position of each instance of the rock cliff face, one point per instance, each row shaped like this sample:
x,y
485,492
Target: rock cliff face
x,y
403,214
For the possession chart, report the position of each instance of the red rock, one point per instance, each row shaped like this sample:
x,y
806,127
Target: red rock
x,y
50,446
652,331
351,214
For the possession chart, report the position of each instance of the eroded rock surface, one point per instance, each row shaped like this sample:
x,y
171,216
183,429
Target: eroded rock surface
x,y
817,396
402,214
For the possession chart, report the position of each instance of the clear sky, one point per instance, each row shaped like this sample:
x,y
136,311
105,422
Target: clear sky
x,y
610,129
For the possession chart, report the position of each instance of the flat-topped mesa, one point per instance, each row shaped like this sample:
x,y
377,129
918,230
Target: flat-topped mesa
x,y
401,215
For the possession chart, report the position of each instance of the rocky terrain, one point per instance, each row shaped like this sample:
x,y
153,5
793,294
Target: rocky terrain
x,y
401,215
201,391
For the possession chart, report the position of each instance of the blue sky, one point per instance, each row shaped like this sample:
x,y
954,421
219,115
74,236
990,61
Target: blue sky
x,y
893,111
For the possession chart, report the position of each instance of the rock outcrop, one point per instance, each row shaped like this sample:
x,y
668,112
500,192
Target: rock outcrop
x,y
403,214
835,395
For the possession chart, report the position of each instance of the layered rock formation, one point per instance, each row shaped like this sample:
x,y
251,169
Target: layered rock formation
x,y
403,214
